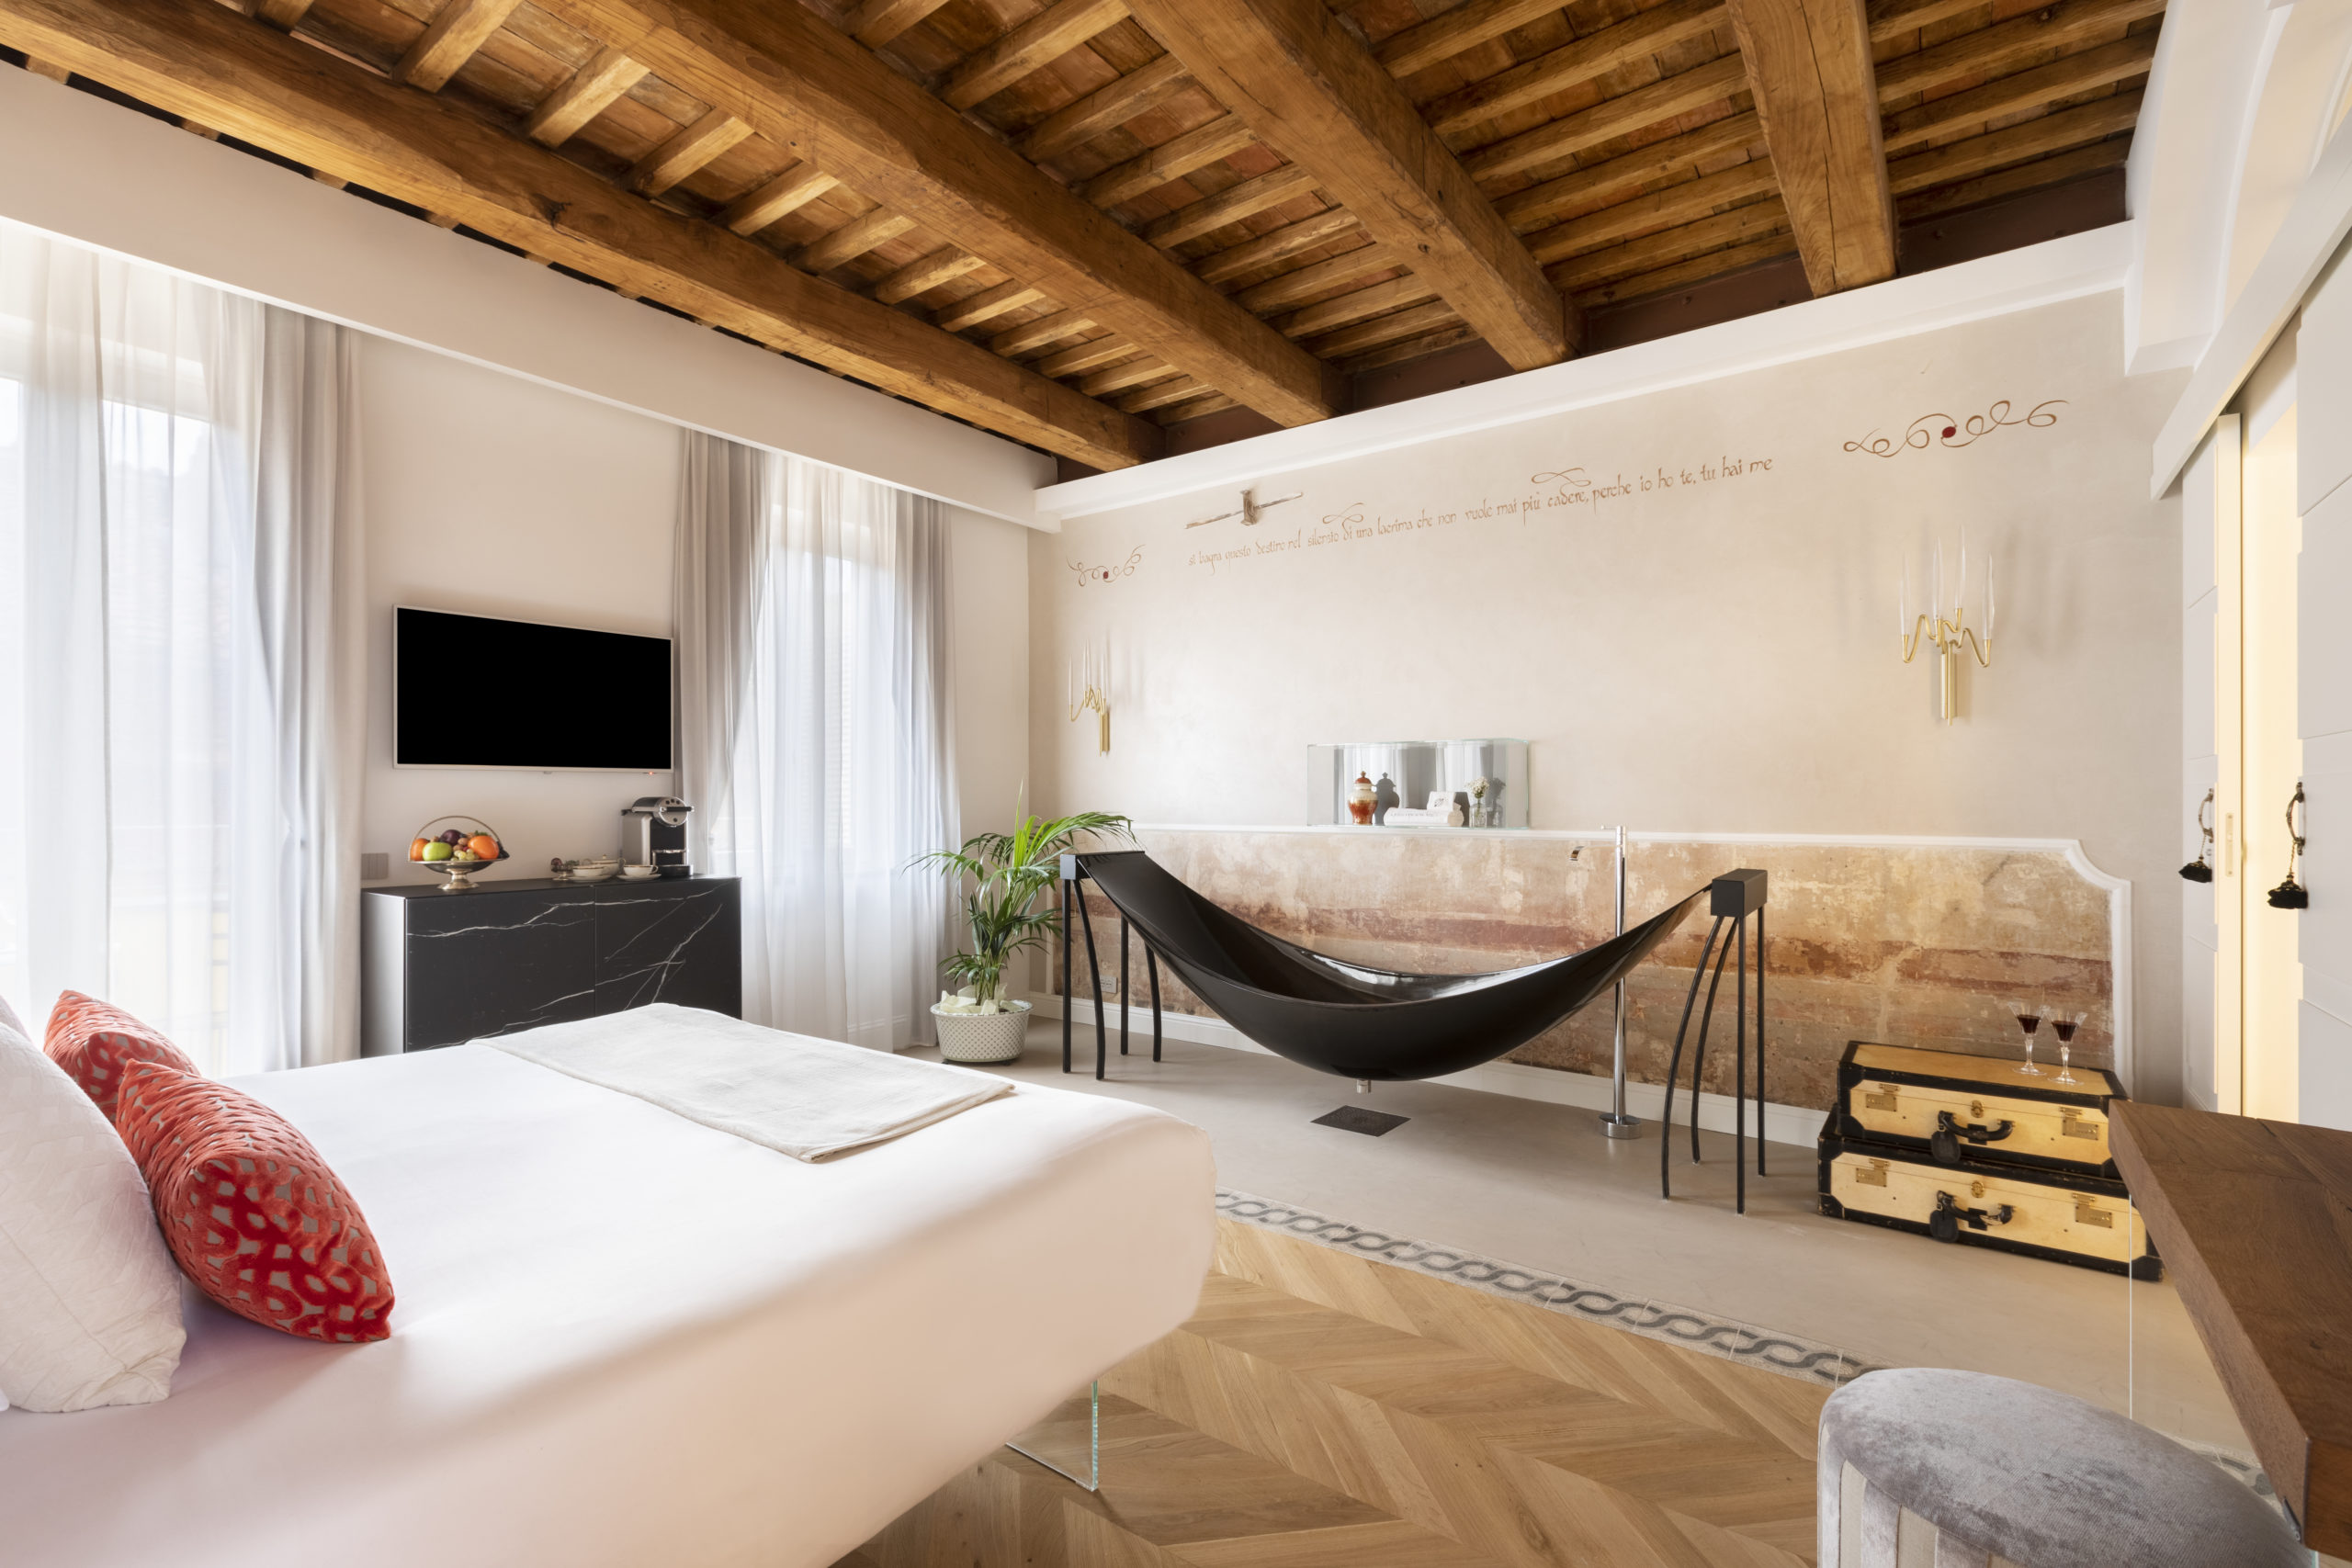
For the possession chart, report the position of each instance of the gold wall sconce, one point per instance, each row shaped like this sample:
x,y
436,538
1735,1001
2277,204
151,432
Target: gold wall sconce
x,y
1090,690
1950,637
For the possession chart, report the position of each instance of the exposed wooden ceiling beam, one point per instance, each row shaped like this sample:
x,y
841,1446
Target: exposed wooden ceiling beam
x,y
2031,138
1700,235
689,148
456,32
1327,314
1134,373
2009,46
1892,18
1277,293
594,88
1596,55
1659,209
1305,85
198,58
1420,319
925,274
1596,184
1692,270
1171,159
283,13
1809,67
1086,356
1183,389
49,68
1042,40
803,84
2100,67
853,240
1453,32
1406,349
1679,93
787,191
1289,240
988,304
1933,201
877,22
1112,104
1230,205
1036,334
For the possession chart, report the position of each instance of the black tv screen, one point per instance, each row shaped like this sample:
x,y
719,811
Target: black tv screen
x,y
470,692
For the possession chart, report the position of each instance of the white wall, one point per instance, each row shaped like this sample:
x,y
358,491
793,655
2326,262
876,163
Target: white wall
x,y
1708,656
487,493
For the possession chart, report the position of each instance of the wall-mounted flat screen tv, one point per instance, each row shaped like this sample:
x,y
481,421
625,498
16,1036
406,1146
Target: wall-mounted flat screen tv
x,y
470,692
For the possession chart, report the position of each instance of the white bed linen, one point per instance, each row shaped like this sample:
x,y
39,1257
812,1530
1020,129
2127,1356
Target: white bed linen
x,y
624,1338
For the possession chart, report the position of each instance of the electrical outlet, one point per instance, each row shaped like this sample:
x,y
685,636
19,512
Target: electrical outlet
x,y
374,868
1110,983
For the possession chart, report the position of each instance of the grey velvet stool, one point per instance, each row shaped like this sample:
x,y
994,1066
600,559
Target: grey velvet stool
x,y
1958,1469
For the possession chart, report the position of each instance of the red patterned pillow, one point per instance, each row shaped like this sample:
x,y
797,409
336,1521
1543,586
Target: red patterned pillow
x,y
94,1042
250,1210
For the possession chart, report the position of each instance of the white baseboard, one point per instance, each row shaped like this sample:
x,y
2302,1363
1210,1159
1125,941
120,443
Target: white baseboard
x,y
1784,1124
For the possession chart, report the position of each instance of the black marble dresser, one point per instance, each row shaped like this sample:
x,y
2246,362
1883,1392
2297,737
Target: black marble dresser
x,y
442,968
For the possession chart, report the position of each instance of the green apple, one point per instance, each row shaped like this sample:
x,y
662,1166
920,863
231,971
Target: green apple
x,y
438,850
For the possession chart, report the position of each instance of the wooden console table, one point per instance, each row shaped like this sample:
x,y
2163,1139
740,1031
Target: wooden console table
x,y
2254,1219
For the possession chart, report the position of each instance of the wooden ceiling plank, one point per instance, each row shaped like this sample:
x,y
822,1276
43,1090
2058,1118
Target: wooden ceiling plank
x,y
788,191
593,89
1119,377
802,84
1085,357
1279,293
283,13
1028,335
1171,159
1595,185
1311,91
1181,389
1327,314
1229,206
1111,104
691,148
1208,403
2057,169
852,240
49,68
1288,240
2101,66
925,274
1809,67
1387,329
1892,18
1664,209
1596,55
1404,351
1690,271
2010,46
459,29
877,22
987,304
2032,139
197,59
1039,42
1713,83
1669,246
1454,33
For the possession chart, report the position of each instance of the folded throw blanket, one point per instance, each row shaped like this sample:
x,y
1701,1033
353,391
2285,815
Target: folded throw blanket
x,y
807,1098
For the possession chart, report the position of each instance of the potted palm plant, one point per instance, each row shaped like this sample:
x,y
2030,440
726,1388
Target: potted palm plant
x,y
1001,875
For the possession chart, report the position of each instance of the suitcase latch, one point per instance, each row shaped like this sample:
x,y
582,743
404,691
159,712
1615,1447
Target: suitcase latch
x,y
2072,1125
1945,1223
1944,1145
2092,1214
1871,1174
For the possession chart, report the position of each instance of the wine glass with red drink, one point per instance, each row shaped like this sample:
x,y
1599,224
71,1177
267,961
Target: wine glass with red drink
x,y
2065,1029
2030,1020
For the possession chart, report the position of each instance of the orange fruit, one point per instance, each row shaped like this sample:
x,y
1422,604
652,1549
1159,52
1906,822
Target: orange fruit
x,y
416,849
482,844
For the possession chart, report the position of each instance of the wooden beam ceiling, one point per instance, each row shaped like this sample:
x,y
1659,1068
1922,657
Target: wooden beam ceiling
x,y
1311,91
451,38
1809,66
197,59
803,84
591,91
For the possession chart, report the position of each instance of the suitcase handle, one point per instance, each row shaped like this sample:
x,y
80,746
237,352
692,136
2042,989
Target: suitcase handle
x,y
1944,1145
1945,1223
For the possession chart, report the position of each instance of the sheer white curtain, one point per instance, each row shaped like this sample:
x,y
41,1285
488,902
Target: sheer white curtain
x,y
177,577
832,767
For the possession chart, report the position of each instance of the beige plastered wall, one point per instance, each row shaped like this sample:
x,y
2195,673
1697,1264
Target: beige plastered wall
x,y
1687,602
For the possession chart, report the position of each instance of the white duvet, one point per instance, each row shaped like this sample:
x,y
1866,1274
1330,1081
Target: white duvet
x,y
624,1338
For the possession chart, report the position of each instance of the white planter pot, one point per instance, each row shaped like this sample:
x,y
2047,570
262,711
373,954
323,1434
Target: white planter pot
x,y
982,1036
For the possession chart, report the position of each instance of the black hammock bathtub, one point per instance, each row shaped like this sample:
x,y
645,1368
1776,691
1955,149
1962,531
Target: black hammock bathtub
x,y
1324,1013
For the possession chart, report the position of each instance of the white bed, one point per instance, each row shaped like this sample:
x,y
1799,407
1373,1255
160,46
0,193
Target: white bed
x,y
626,1339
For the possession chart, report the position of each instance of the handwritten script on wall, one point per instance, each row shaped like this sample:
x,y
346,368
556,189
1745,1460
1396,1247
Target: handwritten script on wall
x,y
1558,491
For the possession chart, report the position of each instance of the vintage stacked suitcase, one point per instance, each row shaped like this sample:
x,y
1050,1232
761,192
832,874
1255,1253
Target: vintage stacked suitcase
x,y
1968,1149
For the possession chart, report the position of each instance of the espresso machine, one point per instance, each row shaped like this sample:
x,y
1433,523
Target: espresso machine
x,y
653,832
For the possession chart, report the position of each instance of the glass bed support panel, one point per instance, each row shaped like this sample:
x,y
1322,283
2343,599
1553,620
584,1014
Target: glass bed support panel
x,y
1068,1441
1486,779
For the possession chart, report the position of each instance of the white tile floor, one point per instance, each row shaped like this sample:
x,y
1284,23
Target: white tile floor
x,y
1536,1184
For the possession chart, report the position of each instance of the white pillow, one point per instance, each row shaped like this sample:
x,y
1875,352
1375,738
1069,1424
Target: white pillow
x,y
89,1296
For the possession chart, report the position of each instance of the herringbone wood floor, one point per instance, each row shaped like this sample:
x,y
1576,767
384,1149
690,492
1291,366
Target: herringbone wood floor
x,y
1326,1409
